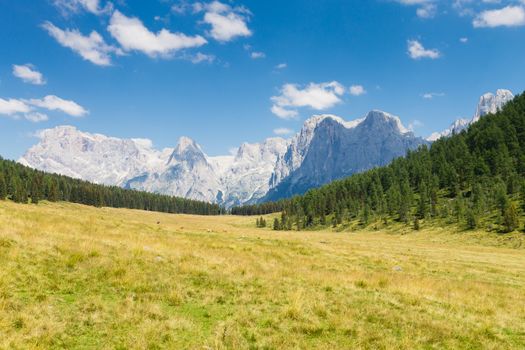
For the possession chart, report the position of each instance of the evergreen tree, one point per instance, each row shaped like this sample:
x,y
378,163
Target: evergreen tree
x,y
35,192
276,224
459,209
365,218
53,192
3,187
478,199
417,225
472,219
522,196
510,218
405,201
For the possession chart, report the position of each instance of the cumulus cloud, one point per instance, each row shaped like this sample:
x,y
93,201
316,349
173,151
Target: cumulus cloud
x,y
132,35
426,8
53,103
415,124
28,74
463,40
427,11
417,51
510,16
227,22
255,55
357,90
76,6
281,66
36,117
431,95
92,48
282,131
316,96
200,57
28,109
12,107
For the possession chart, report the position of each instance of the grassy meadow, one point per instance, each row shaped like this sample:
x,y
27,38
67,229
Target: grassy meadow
x,y
76,277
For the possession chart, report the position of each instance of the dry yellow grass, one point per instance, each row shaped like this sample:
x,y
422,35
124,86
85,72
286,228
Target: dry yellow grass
x,y
79,278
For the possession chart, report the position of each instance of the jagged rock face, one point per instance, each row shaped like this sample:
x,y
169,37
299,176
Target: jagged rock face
x,y
338,150
454,128
488,104
248,178
188,173
93,157
326,148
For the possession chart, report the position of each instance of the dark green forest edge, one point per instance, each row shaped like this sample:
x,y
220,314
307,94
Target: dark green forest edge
x,y
25,185
475,179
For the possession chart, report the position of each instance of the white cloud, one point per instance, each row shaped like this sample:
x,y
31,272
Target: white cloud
x,y
52,103
281,66
284,113
75,6
12,107
282,131
357,90
510,16
426,8
181,7
131,34
431,95
92,48
16,108
200,57
316,96
463,40
255,55
227,23
28,74
427,11
413,125
36,117
417,51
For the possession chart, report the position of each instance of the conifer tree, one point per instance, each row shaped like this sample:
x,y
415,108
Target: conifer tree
x,y
3,187
35,192
472,219
276,225
417,225
510,218
405,201
459,209
523,196
53,192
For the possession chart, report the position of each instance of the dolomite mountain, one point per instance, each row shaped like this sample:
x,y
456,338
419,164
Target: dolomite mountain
x,y
488,103
326,148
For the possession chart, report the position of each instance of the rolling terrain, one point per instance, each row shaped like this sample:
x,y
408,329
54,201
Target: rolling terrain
x,y
80,277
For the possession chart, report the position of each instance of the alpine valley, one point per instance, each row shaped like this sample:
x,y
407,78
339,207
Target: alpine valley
x,y
326,148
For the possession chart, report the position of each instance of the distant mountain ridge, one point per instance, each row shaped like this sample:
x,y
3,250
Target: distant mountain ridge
x,y
326,148
488,103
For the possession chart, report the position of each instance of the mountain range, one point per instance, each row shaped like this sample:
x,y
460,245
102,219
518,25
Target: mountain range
x,y
326,148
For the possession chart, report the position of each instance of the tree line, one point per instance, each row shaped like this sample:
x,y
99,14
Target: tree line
x,y
22,184
475,178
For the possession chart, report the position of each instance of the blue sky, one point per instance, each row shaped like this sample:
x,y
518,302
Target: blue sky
x,y
228,72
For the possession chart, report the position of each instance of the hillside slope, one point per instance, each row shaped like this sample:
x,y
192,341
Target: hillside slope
x,y
475,178
80,277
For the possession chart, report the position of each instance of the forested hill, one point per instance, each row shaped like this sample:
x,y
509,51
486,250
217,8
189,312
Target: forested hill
x,y
475,178
25,185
